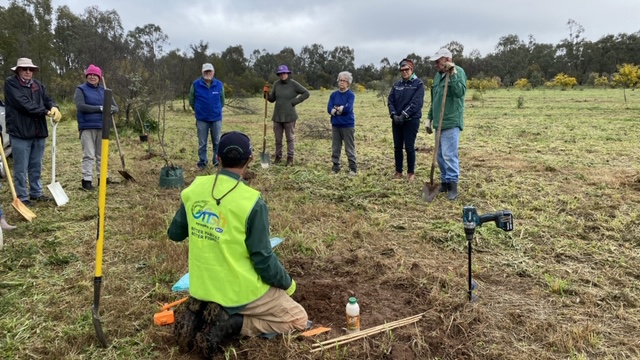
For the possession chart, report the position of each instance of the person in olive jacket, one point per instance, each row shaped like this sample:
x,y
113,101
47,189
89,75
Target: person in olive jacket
x,y
453,119
27,109
286,93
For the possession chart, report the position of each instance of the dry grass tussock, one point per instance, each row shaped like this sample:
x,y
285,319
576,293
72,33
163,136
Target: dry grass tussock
x,y
562,285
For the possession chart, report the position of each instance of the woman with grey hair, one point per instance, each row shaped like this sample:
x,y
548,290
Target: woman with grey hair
x,y
343,122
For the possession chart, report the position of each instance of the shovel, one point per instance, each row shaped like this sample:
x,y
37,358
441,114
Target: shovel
x,y
102,204
122,172
55,188
264,157
430,190
17,204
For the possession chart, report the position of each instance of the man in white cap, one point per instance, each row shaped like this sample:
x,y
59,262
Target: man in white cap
x,y
453,120
206,98
28,107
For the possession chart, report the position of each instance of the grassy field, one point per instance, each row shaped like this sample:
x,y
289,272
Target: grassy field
x,y
565,284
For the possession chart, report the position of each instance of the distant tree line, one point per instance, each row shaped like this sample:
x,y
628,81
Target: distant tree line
x,y
143,72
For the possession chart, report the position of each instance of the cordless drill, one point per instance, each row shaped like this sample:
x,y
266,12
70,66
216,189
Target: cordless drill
x,y
470,218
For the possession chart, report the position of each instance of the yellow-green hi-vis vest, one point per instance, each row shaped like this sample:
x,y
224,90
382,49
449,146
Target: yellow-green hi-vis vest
x,y
220,269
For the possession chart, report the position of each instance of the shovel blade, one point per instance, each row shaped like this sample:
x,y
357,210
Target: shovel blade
x,y
58,193
23,209
264,160
95,315
126,175
429,192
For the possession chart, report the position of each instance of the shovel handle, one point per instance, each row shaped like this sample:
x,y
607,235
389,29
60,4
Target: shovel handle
x,y
175,303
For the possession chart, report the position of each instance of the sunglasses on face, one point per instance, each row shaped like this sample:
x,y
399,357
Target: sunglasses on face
x,y
405,69
26,69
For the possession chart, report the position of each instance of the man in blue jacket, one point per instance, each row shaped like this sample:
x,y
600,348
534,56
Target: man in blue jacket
x,y
206,98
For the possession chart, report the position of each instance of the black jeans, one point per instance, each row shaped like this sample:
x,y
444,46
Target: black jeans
x,y
405,134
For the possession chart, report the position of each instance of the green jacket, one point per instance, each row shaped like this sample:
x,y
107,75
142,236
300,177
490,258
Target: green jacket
x,y
454,107
286,94
232,243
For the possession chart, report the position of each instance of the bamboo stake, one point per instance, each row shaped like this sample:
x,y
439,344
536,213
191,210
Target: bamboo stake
x,y
374,329
362,334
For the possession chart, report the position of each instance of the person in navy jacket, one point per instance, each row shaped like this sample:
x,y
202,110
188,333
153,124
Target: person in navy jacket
x,y
89,99
343,122
405,109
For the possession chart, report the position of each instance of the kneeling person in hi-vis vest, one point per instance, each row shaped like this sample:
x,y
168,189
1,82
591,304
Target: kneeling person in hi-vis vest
x,y
237,284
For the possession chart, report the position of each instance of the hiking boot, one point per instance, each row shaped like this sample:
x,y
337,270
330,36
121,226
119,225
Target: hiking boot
x,y
278,160
188,322
42,198
411,176
86,185
453,191
289,160
397,175
220,326
444,187
353,173
27,203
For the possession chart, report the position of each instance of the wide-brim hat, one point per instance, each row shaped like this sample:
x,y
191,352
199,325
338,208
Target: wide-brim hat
x,y
24,63
283,69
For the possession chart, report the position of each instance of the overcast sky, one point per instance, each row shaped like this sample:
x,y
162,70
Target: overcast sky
x,y
374,29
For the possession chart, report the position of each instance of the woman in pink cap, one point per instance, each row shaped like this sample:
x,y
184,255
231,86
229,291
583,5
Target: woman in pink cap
x,y
89,98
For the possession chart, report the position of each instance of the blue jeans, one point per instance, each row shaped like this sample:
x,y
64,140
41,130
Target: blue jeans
x,y
448,155
405,134
206,128
27,160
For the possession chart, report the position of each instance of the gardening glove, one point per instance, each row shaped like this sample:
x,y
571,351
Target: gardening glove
x,y
333,112
291,288
398,119
450,67
340,108
55,113
430,126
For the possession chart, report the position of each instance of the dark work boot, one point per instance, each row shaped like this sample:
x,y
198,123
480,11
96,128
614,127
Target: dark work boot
x,y
453,191
86,185
188,323
444,187
289,160
278,160
220,327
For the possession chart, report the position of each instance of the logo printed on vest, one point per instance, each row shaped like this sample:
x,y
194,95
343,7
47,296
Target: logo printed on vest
x,y
205,216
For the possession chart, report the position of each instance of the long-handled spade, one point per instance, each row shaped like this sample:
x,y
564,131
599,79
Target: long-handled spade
x,y
430,190
55,188
264,157
17,204
122,172
102,202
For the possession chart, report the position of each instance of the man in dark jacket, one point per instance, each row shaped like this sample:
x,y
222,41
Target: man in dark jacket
x,y
27,107
206,98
